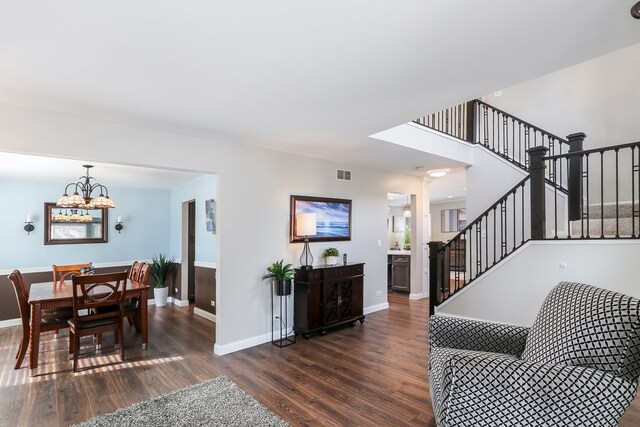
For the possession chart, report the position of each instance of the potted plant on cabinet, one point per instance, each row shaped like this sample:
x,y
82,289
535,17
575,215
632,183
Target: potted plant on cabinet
x,y
331,256
281,275
162,266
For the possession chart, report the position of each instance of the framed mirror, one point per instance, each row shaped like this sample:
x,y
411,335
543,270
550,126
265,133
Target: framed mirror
x,y
73,226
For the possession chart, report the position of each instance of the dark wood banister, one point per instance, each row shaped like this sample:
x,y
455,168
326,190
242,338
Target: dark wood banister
x,y
492,207
534,127
593,150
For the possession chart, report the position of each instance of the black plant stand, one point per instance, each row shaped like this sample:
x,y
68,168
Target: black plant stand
x,y
284,339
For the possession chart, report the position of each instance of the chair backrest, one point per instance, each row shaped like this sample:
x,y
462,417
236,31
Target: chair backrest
x,y
134,273
582,325
98,291
144,272
22,294
61,272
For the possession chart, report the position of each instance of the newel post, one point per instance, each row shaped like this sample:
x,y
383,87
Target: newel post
x,y
538,214
471,121
574,183
435,275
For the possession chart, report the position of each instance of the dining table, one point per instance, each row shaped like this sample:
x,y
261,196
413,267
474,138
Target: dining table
x,y
58,295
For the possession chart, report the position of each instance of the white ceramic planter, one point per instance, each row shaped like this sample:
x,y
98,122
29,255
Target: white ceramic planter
x,y
160,295
331,260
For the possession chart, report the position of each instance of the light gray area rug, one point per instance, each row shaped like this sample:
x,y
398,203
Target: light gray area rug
x,y
218,402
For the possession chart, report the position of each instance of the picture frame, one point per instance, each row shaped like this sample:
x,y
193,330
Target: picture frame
x,y
210,215
333,218
399,223
449,220
453,220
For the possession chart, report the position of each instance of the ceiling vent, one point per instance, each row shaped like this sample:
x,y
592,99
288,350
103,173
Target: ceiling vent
x,y
344,175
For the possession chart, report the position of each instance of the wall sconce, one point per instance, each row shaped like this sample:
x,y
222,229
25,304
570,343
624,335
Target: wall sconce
x,y
28,224
119,225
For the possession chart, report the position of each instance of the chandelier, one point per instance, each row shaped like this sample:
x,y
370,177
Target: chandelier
x,y
74,216
81,198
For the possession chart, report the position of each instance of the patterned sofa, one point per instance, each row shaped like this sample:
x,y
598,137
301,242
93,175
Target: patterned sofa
x,y
578,365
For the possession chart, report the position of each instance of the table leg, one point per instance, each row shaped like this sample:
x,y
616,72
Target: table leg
x,y
34,342
144,318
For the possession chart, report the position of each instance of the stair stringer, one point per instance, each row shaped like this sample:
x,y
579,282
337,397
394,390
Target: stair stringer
x,y
513,290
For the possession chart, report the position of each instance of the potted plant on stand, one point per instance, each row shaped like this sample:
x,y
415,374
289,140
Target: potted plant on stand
x,y
161,269
331,256
281,276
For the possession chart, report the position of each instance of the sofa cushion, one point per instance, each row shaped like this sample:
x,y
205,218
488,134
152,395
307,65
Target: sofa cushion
x,y
440,376
582,325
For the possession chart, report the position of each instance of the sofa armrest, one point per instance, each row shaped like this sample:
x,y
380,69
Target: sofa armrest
x,y
466,334
527,393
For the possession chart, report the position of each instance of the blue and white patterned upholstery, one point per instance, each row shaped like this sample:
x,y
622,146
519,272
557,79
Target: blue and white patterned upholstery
x,y
578,365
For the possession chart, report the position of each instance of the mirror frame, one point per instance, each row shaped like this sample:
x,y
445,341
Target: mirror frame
x,y
49,206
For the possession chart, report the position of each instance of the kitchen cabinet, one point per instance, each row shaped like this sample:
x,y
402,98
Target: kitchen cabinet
x,y
401,273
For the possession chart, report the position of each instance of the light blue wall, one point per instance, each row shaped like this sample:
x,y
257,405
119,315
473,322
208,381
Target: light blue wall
x,y
199,189
145,213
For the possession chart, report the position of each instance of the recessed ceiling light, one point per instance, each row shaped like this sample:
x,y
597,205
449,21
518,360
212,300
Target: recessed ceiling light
x,y
437,173
465,188
449,197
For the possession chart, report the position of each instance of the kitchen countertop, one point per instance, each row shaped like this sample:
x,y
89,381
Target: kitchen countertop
x,y
398,252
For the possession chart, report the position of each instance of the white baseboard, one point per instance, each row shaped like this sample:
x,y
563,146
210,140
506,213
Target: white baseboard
x,y
205,314
374,308
221,350
178,302
418,296
10,322
205,264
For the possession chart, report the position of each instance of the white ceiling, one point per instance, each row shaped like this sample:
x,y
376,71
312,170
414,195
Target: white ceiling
x,y
313,78
452,186
65,171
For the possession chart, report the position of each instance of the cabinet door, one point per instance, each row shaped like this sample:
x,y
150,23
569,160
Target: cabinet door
x,y
346,300
330,299
401,277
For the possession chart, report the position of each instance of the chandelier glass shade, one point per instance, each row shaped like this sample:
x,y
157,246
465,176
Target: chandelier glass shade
x,y
74,216
81,198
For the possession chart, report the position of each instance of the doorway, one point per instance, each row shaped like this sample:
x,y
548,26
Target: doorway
x,y
399,242
188,273
191,253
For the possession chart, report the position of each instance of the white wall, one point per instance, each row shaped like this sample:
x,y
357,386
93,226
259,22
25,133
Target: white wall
x,y
199,189
436,215
513,291
598,97
144,234
254,186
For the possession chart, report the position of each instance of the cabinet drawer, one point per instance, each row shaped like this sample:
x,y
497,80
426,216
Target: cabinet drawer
x,y
400,259
308,275
345,271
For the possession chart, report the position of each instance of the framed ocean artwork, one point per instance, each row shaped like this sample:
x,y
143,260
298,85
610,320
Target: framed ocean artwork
x,y
333,218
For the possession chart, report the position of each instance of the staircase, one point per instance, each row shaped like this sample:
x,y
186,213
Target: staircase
x,y
607,220
595,194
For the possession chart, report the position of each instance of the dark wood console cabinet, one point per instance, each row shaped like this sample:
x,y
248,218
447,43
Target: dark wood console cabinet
x,y
326,297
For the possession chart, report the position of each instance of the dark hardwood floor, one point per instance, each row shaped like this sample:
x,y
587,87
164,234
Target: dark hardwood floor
x,y
371,374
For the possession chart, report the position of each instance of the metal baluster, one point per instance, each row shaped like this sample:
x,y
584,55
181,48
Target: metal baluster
x,y
617,200
602,194
522,214
587,186
485,123
479,243
514,218
555,203
634,168
582,213
494,235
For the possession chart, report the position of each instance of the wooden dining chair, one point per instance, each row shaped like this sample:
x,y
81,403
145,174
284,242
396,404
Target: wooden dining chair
x,y
131,305
101,295
134,272
51,319
62,272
